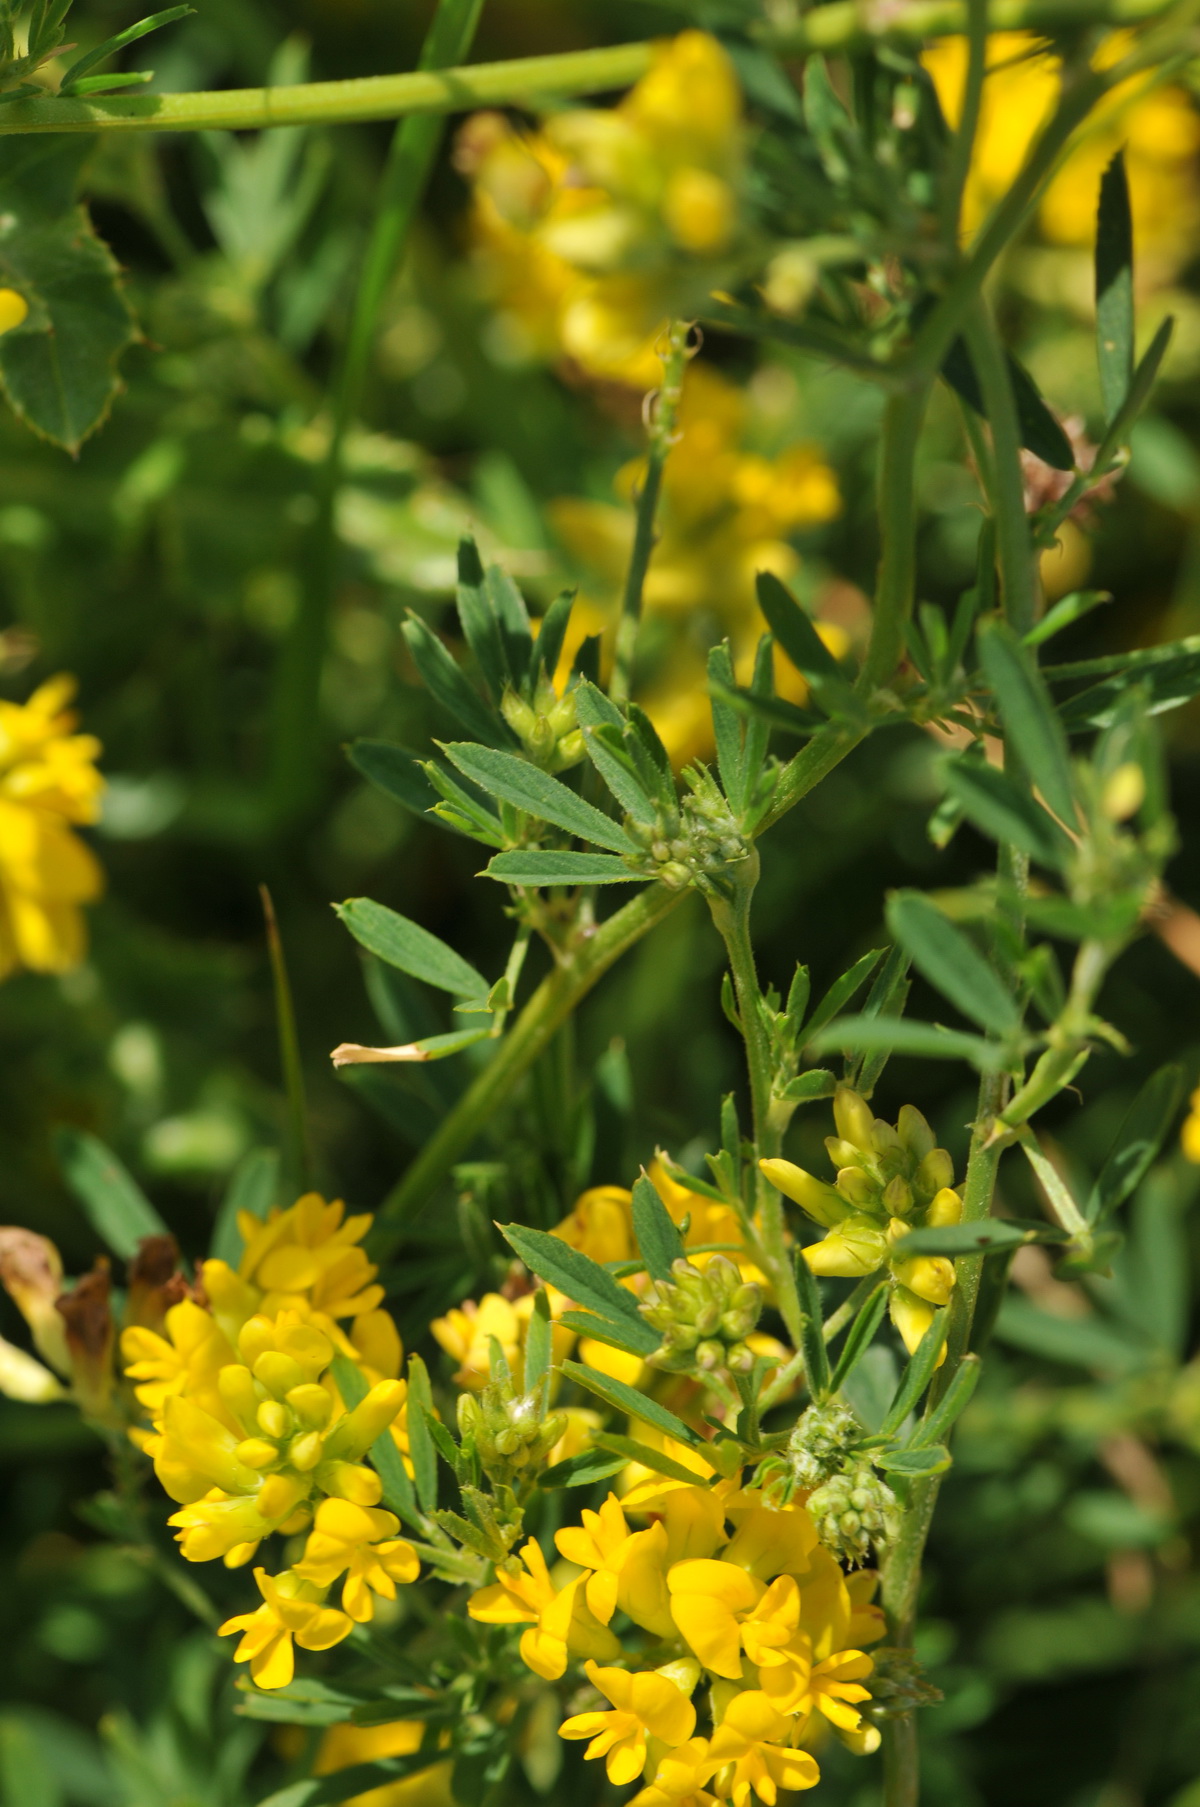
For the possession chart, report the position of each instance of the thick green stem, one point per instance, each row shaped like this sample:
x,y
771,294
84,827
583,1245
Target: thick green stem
x,y
896,582
959,166
1014,542
731,914
521,82
295,745
662,410
901,1762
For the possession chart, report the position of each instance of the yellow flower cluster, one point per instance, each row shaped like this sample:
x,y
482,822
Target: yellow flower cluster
x,y
1159,129
721,1590
251,1434
592,232
48,785
727,511
890,1180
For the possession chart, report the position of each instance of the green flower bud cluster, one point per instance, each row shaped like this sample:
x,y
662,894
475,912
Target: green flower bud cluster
x,y
704,1317
547,728
509,1430
693,843
898,1684
855,1510
824,1436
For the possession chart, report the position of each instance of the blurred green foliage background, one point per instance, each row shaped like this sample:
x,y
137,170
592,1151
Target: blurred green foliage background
x,y
163,567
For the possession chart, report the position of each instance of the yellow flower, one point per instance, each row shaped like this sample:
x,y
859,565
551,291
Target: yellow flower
x,y
747,1754
558,1620
721,1611
187,1360
601,1224
727,511
465,1333
591,233
308,1254
362,1541
48,783
292,1609
14,310
644,1706
343,1745
1189,1135
678,1778
1159,131
628,1568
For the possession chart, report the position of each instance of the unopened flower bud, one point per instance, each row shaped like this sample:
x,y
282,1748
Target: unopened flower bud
x,y
817,1200
855,1248
853,1117
935,1172
946,1209
915,1132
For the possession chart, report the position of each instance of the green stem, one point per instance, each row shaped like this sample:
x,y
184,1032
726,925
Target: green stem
x,y
896,583
1014,542
299,1163
295,747
959,165
662,409
901,1762
549,1007
731,914
523,81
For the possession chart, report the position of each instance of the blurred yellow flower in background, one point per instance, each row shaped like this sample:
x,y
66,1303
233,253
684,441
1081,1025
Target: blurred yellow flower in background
x,y
1159,130
727,511
590,233
48,784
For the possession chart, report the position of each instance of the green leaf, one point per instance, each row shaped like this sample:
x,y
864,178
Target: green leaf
x,y
59,367
480,623
420,1442
727,724
547,648
885,1000
895,1035
1041,433
994,1235
953,1402
860,1335
1027,712
449,686
302,1702
996,806
794,631
630,1450
812,1336
344,1784
1081,1342
1167,675
398,773
1114,287
917,1375
841,992
627,1399
536,1377
603,728
409,947
1065,612
113,1202
1137,1143
547,866
583,1470
27,1778
252,1188
583,1280
915,1463
526,787
952,962
657,1236
772,711
110,46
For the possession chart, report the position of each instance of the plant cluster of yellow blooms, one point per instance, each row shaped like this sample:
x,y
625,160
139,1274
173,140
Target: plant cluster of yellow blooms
x,y
593,231
718,1589
890,1181
48,785
688,1579
251,1434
